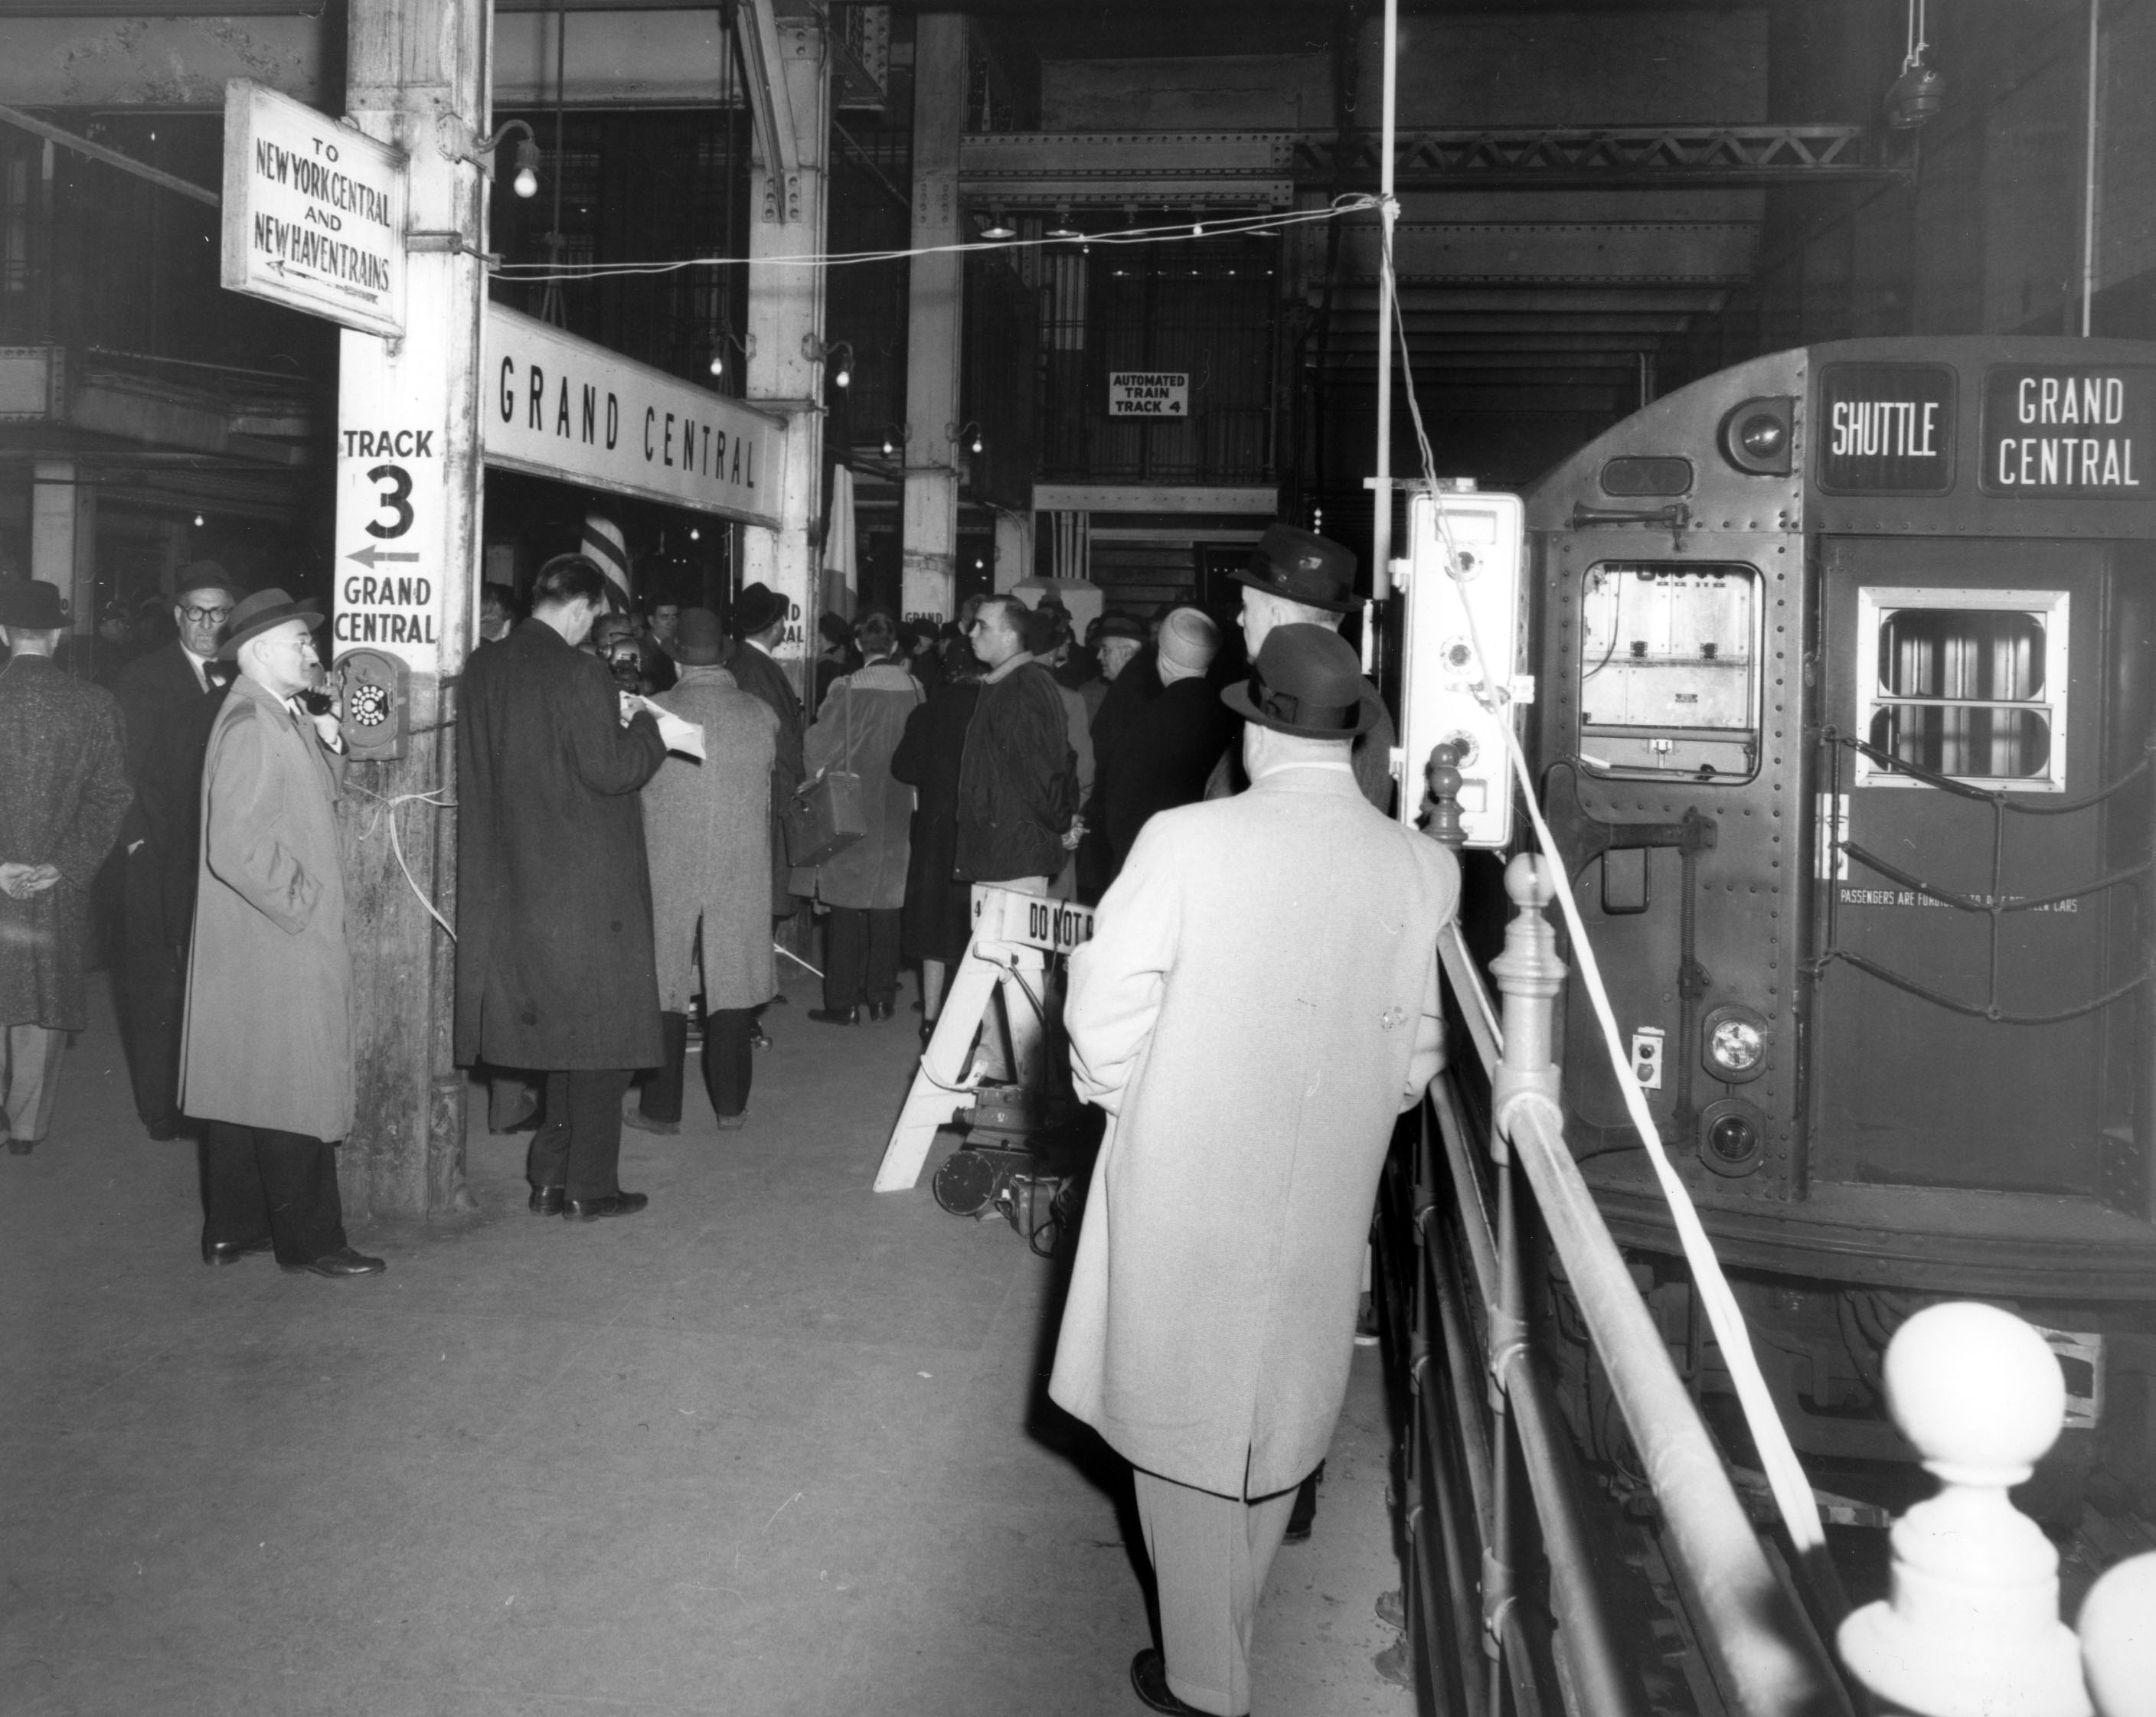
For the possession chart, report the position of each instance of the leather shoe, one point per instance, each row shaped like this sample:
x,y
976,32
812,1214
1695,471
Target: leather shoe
x,y
588,1210
633,1115
162,1130
733,1123
879,1010
230,1252
835,1015
343,1261
21,1147
546,1200
757,1039
1149,1677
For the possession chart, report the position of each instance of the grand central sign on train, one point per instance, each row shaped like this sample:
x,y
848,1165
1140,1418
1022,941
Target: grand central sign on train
x,y
559,407
314,212
2078,433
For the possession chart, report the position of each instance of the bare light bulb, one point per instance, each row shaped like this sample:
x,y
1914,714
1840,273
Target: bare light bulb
x,y
844,377
525,184
198,521
694,535
718,363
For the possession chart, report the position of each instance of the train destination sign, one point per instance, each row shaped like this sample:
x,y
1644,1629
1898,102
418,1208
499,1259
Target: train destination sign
x,y
1149,394
559,406
2080,432
1885,429
314,212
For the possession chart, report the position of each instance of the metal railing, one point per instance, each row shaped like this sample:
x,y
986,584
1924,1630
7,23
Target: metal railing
x,y
1503,1601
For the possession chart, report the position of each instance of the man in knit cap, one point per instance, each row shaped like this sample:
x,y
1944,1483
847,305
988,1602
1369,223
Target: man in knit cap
x,y
1165,751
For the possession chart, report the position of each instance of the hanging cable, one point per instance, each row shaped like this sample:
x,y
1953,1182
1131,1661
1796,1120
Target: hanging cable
x,y
1180,233
1786,1474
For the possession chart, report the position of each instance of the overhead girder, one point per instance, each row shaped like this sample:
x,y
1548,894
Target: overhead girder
x,y
1720,252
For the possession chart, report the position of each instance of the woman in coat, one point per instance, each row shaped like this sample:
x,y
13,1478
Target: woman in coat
x,y
708,828
858,729
937,920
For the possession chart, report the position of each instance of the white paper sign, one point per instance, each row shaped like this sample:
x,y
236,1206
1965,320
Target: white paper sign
x,y
314,212
559,406
392,502
1148,393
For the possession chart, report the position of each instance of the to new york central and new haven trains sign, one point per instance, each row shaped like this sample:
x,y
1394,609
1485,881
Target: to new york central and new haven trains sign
x,y
2046,432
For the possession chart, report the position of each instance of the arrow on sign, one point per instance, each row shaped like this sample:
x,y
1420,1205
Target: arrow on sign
x,y
368,556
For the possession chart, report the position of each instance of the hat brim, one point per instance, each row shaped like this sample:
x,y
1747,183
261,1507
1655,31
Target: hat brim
x,y
229,651
1244,575
748,623
1237,697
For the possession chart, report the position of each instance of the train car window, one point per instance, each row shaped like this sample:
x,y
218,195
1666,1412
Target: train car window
x,y
1966,682
1632,474
1668,670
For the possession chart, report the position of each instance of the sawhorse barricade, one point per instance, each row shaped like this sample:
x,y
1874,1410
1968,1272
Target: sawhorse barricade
x,y
1014,936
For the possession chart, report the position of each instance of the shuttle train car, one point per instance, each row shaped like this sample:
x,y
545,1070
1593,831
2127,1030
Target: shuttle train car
x,y
1846,671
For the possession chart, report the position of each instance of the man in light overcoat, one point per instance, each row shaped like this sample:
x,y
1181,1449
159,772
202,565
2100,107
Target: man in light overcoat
x,y
708,828
1258,1004
62,794
858,727
266,1046
554,969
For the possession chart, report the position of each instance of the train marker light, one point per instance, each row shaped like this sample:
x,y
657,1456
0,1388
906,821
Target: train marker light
x,y
1758,437
1732,1137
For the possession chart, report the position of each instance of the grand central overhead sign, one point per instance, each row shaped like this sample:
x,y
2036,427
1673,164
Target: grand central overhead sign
x,y
556,406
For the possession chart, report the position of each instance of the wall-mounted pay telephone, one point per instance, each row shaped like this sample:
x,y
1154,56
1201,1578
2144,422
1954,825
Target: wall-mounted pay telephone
x,y
377,703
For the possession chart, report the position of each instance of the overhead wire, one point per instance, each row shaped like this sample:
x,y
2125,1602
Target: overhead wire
x,y
1791,1489
1179,232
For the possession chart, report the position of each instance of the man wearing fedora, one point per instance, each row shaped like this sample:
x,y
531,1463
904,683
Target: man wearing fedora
x,y
62,794
708,828
1258,1004
266,1046
1297,578
170,697
554,949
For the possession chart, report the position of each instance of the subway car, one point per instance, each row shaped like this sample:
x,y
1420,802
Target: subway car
x,y
1844,727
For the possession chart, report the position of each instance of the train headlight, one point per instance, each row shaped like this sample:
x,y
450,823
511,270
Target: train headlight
x,y
1737,1046
1733,1044
1758,436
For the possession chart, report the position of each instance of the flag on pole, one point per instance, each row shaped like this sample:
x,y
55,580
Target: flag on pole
x,y
840,585
606,548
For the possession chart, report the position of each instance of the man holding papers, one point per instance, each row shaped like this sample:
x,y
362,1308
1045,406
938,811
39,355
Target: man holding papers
x,y
554,955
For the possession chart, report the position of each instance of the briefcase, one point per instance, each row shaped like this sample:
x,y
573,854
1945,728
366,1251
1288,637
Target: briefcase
x,y
825,818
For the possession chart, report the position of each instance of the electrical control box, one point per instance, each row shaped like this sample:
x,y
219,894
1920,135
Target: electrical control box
x,y
1464,615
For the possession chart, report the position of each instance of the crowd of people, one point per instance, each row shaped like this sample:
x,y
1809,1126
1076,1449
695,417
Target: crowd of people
x,y
1259,1002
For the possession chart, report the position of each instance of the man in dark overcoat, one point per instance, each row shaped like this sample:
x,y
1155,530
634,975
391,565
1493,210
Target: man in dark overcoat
x,y
63,794
169,697
1168,748
759,621
554,951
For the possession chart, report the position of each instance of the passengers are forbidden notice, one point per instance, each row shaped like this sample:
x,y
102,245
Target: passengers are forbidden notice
x,y
314,212
1148,393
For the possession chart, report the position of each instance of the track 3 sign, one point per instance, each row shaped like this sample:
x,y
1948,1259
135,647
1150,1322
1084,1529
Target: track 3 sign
x,y
314,212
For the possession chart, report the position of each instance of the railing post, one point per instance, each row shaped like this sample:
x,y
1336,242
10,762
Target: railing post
x,y
1529,974
1972,1628
2118,1639
1441,777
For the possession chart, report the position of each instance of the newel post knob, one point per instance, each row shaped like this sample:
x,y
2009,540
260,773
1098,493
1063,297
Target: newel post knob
x,y
1972,1628
2118,1639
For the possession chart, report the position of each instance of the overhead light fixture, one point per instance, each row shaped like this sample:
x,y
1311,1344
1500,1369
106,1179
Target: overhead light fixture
x,y
198,521
998,226
718,364
526,183
837,356
1063,228
1920,92
971,435
894,437
694,535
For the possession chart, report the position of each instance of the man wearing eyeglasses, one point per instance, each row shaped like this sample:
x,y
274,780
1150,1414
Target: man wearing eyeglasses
x,y
168,699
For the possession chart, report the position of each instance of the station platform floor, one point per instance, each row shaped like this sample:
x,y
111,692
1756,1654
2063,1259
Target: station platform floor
x,y
778,1445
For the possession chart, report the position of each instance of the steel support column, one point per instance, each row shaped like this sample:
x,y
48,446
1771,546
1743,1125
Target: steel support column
x,y
786,322
64,538
417,78
935,321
